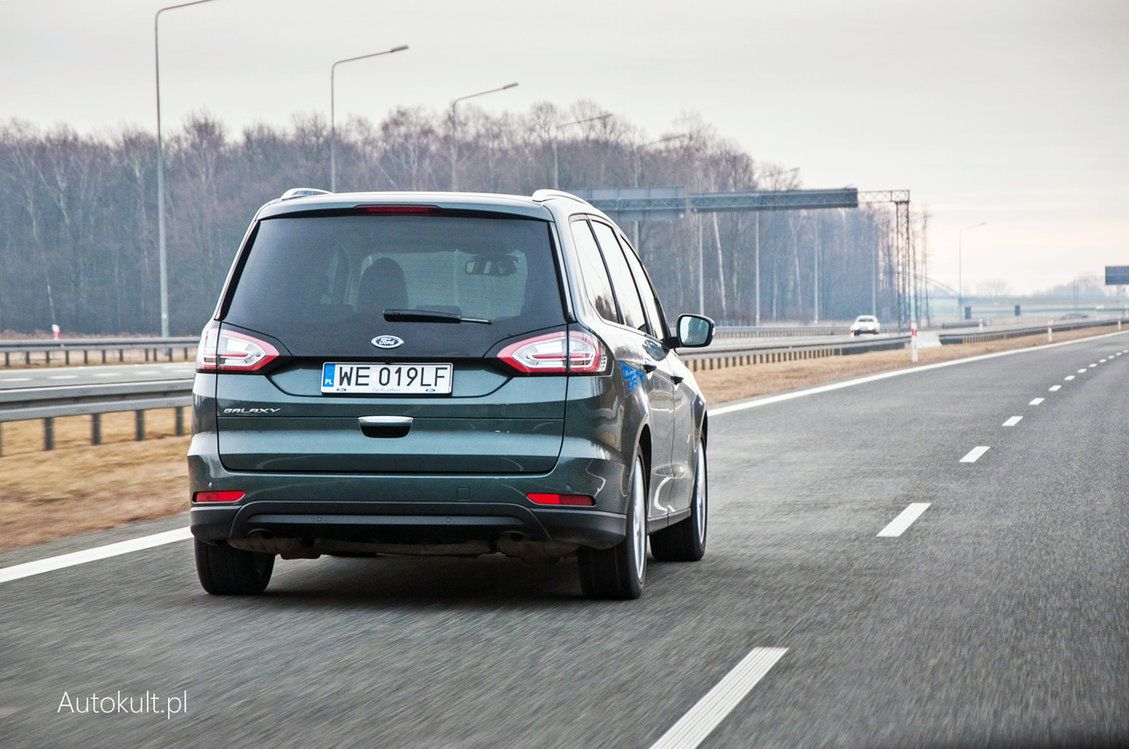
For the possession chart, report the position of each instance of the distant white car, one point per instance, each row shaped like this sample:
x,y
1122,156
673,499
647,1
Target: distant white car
x,y
865,324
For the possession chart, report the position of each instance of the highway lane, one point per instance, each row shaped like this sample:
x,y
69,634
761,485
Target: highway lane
x,y
94,375
998,616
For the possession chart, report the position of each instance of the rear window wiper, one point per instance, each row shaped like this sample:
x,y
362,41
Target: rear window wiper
x,y
424,315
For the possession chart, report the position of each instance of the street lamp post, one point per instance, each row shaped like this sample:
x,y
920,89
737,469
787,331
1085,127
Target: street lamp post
x,y
556,155
960,267
333,108
639,167
162,253
455,129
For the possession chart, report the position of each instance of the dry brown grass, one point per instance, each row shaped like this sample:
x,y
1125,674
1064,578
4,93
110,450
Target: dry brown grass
x,y
738,383
46,495
78,488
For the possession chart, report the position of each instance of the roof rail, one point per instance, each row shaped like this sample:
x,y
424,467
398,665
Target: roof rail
x,y
545,194
303,192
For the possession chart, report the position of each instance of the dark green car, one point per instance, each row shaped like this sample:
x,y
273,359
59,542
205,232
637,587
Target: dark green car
x,y
444,374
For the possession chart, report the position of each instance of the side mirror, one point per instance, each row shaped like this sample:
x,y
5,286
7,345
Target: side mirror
x,y
694,331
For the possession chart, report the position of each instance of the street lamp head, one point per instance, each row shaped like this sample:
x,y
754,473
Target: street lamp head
x,y
510,85
401,48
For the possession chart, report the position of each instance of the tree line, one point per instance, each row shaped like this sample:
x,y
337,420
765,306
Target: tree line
x,y
78,213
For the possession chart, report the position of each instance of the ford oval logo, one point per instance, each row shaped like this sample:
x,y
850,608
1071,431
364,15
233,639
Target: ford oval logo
x,y
387,341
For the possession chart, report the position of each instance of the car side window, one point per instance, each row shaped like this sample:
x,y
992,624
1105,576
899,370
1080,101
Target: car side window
x,y
596,282
623,284
650,301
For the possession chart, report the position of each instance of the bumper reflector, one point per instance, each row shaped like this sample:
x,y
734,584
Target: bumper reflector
x,y
227,496
575,500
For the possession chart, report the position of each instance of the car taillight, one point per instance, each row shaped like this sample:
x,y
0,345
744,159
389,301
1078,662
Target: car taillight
x,y
228,351
399,210
576,353
224,496
573,500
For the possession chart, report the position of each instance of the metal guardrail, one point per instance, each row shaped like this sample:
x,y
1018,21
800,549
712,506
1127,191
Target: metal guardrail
x,y
750,331
720,357
27,352
986,334
49,403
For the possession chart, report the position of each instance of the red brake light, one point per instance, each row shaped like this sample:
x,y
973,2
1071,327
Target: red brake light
x,y
576,353
228,351
224,496
398,209
575,500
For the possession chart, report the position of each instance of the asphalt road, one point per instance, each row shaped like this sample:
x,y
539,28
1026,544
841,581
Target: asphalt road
x,y
999,617
95,375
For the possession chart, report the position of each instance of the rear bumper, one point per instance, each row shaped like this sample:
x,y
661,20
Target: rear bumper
x,y
406,509
405,523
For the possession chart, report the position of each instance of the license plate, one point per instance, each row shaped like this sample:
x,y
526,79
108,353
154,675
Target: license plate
x,y
413,379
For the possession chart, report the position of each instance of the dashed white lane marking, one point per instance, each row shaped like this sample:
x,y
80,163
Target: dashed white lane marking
x,y
699,722
974,454
1102,361
1068,378
15,379
1055,388
17,571
780,398
904,520
1081,371
62,377
1036,401
105,374
1012,421
1093,365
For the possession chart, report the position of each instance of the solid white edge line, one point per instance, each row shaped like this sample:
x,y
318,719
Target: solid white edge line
x,y
975,454
1036,401
700,720
904,520
1055,388
781,397
1013,421
50,564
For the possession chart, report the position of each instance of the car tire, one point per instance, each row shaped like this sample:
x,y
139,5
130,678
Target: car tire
x,y
685,541
620,572
224,571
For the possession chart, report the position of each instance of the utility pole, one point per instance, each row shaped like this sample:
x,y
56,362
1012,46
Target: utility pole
x,y
556,155
960,267
333,108
162,251
455,130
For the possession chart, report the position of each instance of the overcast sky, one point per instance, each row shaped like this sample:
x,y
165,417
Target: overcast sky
x,y
1014,112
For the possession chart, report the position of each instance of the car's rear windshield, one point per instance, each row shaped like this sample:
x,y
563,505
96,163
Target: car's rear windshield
x,y
311,277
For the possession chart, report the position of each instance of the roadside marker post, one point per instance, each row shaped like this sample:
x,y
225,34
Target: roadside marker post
x,y
1050,327
913,342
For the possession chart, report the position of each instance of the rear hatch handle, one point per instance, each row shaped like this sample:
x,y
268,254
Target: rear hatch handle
x,y
385,426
